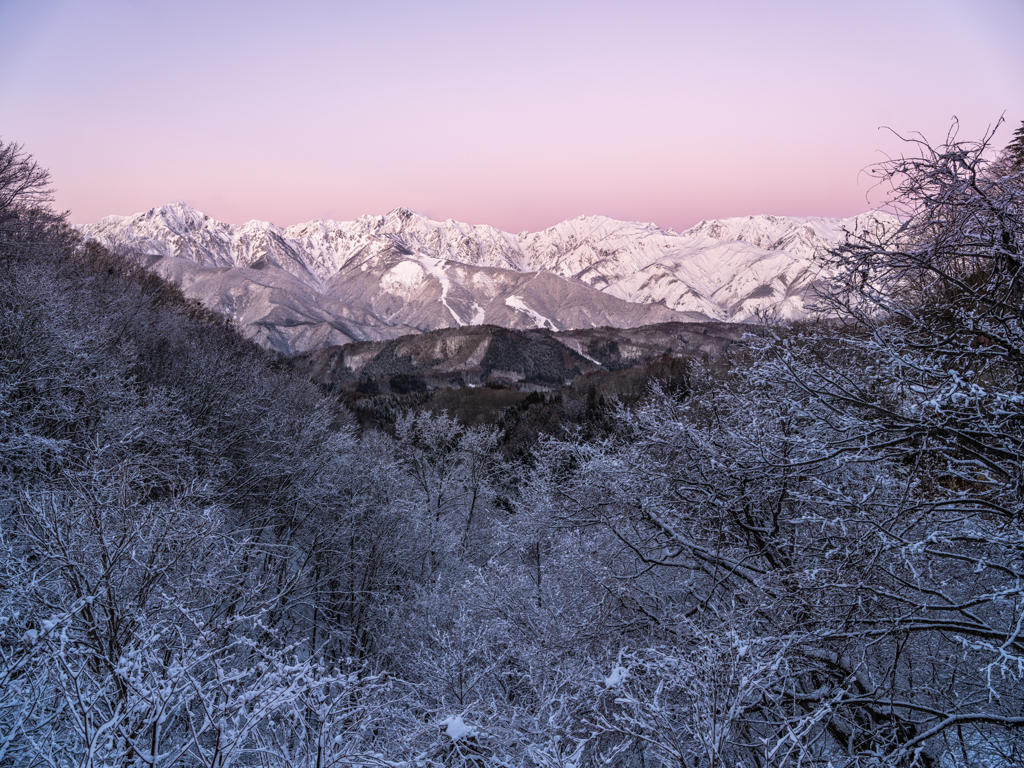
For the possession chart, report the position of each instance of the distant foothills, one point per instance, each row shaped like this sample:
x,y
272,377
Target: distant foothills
x,y
312,286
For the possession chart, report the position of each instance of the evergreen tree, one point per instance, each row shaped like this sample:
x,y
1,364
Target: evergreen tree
x,y
1015,149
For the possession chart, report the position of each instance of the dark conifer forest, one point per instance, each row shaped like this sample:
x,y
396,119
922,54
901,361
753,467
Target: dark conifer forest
x,y
808,554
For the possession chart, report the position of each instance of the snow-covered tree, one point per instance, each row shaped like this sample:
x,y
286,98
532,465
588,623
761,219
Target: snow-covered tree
x,y
1015,149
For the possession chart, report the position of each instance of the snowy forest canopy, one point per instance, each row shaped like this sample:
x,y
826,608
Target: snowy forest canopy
x,y
813,556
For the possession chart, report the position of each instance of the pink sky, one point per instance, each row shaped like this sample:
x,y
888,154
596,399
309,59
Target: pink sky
x,y
516,114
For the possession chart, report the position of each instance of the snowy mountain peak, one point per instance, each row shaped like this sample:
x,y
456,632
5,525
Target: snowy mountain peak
x,y
178,213
403,214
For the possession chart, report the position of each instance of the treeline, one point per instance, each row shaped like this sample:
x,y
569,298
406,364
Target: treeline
x,y
522,418
814,557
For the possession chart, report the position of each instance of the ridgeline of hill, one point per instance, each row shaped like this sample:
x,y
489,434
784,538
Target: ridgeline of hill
x,y
525,381
525,360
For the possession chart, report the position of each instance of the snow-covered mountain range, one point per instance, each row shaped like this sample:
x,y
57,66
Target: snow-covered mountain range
x,y
325,282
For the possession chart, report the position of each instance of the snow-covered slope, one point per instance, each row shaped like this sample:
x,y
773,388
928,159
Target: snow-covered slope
x,y
326,282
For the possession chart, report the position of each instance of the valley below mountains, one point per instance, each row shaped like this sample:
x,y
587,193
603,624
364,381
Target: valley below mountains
x,y
326,283
535,360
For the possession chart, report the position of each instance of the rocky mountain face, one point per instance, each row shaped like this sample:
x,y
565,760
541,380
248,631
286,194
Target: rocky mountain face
x,y
324,283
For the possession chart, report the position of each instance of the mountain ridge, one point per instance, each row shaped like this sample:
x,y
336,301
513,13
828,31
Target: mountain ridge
x,y
322,283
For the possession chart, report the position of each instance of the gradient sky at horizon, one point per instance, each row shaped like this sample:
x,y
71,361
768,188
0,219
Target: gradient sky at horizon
x,y
518,115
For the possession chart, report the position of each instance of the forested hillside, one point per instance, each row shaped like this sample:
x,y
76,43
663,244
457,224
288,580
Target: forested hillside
x,y
812,556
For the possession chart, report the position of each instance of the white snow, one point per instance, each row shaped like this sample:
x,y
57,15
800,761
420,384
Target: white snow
x,y
403,278
457,728
433,266
517,303
617,676
478,315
